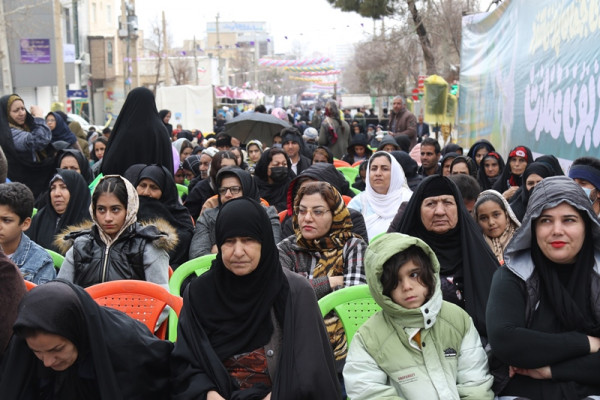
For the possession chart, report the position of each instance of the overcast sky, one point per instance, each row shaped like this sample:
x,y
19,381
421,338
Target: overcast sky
x,y
314,25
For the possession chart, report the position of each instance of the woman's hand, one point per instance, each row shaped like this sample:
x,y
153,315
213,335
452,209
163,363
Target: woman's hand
x,y
213,395
336,281
36,111
509,193
594,344
535,373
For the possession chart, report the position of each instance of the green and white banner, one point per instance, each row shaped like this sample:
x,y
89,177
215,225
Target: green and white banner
x,y
530,75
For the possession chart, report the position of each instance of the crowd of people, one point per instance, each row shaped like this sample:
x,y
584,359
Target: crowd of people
x,y
486,268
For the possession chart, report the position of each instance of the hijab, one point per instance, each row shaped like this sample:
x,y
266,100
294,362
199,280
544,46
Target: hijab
x,y
249,188
34,174
480,144
133,203
275,193
462,251
138,137
168,207
119,357
192,163
162,114
61,131
235,311
484,181
499,243
519,201
384,206
84,165
507,178
46,224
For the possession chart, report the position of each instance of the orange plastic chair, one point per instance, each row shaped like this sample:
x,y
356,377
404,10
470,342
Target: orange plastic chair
x,y
29,285
340,163
282,215
356,164
141,300
346,199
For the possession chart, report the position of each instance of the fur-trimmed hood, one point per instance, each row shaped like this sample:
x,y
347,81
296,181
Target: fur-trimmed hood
x,y
162,234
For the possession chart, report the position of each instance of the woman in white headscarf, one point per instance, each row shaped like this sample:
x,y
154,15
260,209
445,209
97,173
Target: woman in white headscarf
x,y
386,189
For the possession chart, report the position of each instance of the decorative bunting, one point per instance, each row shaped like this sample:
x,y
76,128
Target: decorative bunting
x,y
321,73
266,62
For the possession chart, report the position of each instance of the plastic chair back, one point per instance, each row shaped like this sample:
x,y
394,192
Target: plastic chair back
x,y
346,199
141,300
197,265
340,163
282,215
29,285
353,305
181,189
56,258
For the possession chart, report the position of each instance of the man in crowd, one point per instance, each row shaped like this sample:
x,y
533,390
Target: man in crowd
x,y
403,122
430,157
292,144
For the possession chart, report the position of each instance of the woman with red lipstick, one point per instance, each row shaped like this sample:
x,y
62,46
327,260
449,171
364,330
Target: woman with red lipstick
x,y
324,250
418,346
543,314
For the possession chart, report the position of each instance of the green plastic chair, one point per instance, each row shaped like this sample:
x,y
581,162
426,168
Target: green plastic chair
x,y
182,189
350,173
198,265
56,258
92,185
353,305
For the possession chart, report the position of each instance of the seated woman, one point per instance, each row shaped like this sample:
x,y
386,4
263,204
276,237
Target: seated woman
x,y
97,153
25,141
74,160
463,165
159,204
255,150
60,130
324,250
232,182
479,149
184,148
386,189
250,329
418,346
116,246
490,168
496,220
66,346
511,177
67,203
322,155
534,173
273,174
437,215
206,188
357,150
543,311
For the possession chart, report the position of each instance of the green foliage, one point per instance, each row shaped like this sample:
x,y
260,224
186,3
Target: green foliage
x,y
375,9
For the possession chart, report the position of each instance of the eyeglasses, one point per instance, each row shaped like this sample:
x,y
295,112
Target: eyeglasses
x,y
316,213
232,189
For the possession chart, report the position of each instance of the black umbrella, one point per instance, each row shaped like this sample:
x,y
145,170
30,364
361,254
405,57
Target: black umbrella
x,y
255,126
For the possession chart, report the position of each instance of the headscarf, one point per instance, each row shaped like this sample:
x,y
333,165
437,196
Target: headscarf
x,y
93,151
275,193
330,250
84,165
34,174
519,201
483,143
249,188
162,114
168,207
138,137
471,165
552,163
499,243
12,290
47,223
61,131
507,178
126,360
484,181
571,300
133,203
385,206
462,251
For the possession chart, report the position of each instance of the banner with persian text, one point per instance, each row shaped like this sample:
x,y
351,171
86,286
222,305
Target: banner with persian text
x,y
530,75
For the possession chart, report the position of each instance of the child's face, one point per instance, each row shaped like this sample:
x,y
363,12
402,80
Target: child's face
x,y
10,226
410,292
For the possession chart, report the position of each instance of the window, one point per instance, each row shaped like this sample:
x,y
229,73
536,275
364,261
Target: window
x,y
94,12
108,15
109,53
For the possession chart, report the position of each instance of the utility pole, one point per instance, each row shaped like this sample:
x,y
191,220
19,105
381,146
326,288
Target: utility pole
x,y
133,36
196,63
76,27
59,53
7,86
124,35
166,51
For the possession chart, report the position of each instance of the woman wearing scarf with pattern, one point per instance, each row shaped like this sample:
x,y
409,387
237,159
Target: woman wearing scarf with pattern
x,y
324,250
